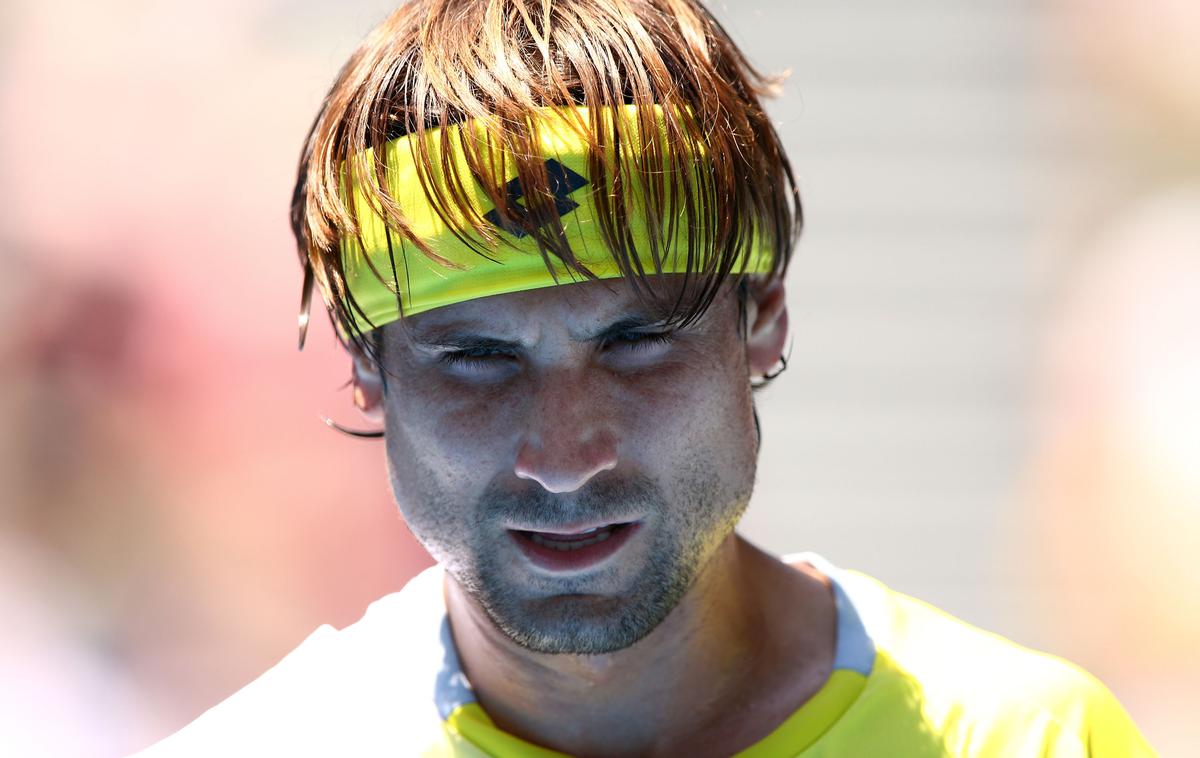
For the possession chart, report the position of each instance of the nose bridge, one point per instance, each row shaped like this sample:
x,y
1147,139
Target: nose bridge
x,y
569,435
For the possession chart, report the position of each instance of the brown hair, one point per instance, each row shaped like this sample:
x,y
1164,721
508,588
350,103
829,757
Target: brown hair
x,y
438,62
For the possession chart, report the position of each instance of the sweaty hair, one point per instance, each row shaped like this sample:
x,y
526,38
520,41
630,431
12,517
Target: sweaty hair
x,y
434,63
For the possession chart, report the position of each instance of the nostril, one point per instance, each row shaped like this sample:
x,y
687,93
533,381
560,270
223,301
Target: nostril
x,y
566,466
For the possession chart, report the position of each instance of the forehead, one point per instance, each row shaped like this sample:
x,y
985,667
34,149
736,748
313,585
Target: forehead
x,y
579,308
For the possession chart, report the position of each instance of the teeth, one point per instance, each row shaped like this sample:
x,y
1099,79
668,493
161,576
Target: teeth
x,y
566,546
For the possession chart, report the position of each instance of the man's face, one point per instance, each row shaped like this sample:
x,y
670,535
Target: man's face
x,y
519,423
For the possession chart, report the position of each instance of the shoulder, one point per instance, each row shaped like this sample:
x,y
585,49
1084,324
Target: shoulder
x,y
339,692
981,693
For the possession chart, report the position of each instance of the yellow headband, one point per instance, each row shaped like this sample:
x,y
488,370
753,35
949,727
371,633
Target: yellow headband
x,y
417,282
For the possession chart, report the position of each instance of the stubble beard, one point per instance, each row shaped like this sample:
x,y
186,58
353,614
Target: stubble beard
x,y
562,616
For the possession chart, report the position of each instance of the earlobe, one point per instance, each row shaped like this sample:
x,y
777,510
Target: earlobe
x,y
767,326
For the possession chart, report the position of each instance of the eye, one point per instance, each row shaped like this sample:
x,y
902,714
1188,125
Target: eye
x,y
475,360
640,342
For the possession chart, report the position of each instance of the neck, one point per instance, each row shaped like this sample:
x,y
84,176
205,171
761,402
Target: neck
x,y
733,639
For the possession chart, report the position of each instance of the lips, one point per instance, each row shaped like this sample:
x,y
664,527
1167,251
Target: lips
x,y
573,550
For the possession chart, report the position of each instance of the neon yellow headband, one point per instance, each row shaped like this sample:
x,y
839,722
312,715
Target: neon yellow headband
x,y
419,283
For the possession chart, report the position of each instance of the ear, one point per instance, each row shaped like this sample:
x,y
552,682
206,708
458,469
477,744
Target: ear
x,y
767,325
368,386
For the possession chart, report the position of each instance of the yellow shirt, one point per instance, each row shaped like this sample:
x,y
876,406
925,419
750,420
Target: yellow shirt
x,y
908,681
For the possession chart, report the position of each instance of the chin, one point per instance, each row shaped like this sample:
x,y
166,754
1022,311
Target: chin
x,y
587,624
578,625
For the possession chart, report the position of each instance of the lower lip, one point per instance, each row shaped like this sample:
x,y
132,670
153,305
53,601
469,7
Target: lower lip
x,y
552,559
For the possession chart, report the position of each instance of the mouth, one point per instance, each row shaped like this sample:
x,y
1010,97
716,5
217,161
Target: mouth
x,y
573,549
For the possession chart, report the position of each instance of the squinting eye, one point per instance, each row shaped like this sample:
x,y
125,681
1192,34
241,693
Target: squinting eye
x,y
634,341
476,360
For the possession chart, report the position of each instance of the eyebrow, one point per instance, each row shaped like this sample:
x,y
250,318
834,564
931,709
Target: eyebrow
x,y
456,337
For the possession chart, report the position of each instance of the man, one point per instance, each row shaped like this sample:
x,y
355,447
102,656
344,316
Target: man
x,y
553,234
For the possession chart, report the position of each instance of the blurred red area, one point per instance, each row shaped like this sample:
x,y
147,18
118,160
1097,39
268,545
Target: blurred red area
x,y
175,516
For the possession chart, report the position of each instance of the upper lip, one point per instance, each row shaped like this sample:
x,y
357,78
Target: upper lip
x,y
572,528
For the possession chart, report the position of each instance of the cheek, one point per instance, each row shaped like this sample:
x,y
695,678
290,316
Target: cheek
x,y
728,419
725,429
702,417
443,446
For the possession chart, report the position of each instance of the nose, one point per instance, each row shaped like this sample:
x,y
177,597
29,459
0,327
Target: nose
x,y
568,437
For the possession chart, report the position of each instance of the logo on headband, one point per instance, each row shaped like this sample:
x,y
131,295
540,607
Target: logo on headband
x,y
563,181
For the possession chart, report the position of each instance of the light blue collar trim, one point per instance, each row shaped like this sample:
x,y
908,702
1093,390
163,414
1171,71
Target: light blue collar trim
x,y
451,690
855,648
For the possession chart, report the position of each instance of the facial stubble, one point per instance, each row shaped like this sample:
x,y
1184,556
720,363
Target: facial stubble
x,y
619,604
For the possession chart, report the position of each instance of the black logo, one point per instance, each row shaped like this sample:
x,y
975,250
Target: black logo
x,y
563,181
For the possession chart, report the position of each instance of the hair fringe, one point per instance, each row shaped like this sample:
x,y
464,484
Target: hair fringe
x,y
494,63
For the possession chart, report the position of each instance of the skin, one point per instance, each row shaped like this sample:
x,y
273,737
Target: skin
x,y
558,407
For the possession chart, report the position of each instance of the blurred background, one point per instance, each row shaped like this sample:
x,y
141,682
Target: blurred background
x,y
993,401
